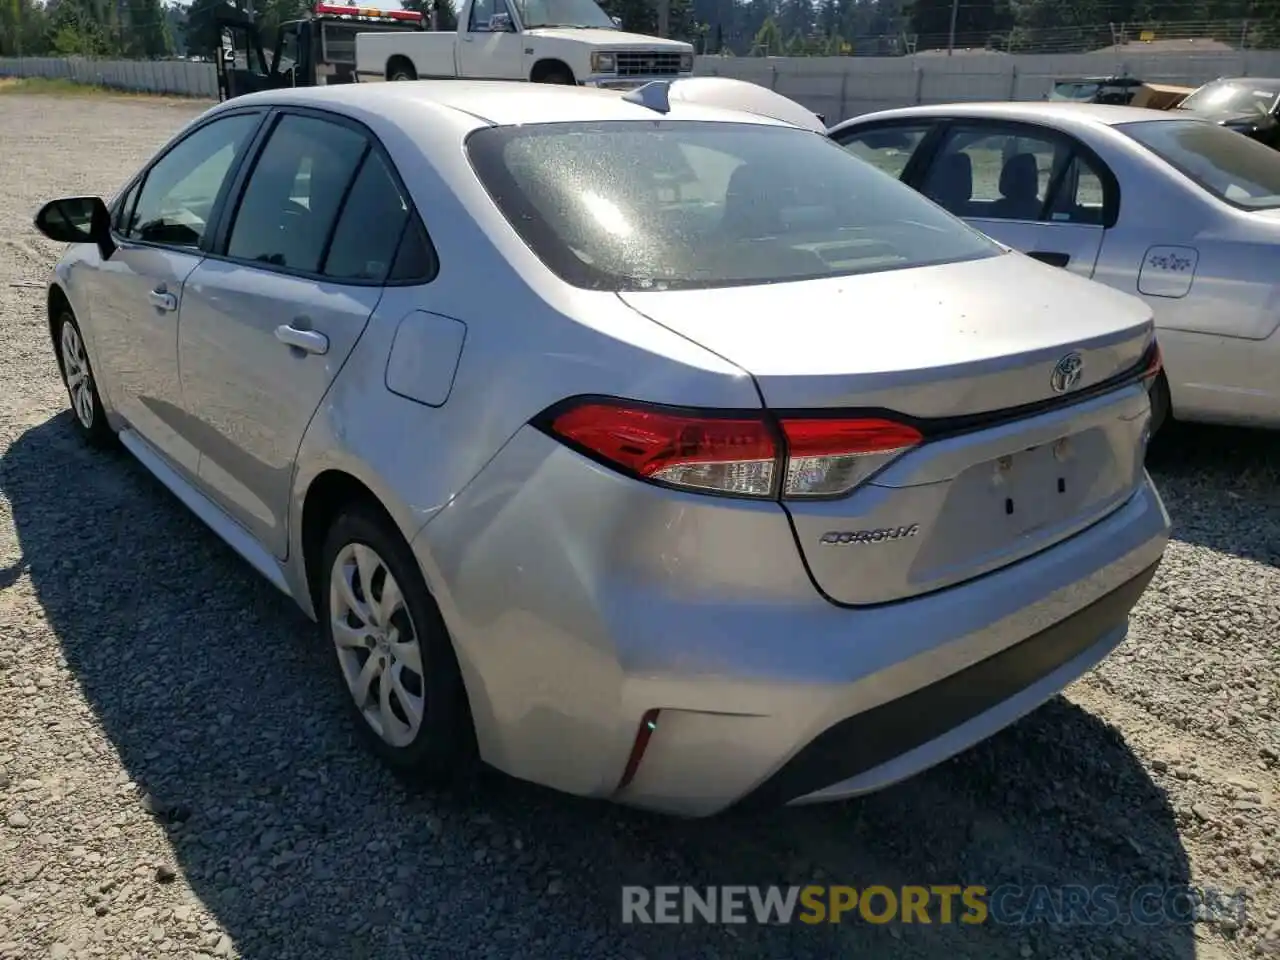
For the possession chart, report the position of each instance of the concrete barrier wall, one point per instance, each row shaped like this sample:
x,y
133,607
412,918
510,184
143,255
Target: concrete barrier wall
x,y
175,77
836,87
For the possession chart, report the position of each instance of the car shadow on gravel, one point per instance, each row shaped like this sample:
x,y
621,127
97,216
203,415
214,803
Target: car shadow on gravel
x,y
1211,476
220,704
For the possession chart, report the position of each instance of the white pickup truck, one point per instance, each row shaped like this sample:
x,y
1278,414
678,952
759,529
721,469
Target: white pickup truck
x,y
543,41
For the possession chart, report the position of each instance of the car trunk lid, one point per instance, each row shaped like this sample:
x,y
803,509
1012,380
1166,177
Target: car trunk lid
x,y
1014,373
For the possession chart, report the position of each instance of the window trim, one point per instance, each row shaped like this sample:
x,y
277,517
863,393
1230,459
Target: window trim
x,y
139,181
225,220
1111,197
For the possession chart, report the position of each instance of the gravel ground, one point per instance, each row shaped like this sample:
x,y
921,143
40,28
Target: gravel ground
x,y
176,778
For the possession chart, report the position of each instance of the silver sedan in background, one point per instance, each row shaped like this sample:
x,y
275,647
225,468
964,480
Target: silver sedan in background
x,y
1165,205
645,450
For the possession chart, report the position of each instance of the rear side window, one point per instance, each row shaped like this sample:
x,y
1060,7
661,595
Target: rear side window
x,y
1227,164
291,201
368,231
680,204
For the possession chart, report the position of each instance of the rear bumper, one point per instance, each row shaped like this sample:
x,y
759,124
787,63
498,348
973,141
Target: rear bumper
x,y
579,601
923,728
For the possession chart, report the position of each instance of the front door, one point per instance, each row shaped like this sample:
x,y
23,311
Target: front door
x,y
267,324
137,294
485,53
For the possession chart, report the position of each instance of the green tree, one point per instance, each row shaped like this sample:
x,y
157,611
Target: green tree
x,y
768,40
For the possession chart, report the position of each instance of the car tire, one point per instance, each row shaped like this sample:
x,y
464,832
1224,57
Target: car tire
x,y
87,413
401,70
558,76
1161,404
402,683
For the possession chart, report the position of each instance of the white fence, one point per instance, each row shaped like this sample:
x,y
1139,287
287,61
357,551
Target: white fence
x,y
836,87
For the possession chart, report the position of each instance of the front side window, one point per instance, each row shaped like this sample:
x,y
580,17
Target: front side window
x,y
887,148
482,11
180,190
1232,167
289,206
651,205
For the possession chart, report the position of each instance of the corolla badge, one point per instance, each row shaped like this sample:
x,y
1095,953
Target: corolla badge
x,y
870,536
1067,373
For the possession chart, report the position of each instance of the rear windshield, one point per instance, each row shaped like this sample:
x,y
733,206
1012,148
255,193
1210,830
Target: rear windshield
x,y
1229,165
659,205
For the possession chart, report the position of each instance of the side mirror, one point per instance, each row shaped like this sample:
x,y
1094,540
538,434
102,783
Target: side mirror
x,y
77,220
500,23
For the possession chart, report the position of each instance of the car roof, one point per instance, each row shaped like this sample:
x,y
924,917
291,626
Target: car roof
x,y
1058,113
489,102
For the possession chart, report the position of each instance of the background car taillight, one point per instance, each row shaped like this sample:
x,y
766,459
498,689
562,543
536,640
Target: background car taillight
x,y
1154,364
741,454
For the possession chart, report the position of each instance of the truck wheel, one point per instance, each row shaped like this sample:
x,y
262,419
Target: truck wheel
x,y
401,69
557,75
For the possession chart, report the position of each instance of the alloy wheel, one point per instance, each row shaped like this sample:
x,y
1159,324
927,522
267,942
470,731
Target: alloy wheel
x,y
75,366
377,644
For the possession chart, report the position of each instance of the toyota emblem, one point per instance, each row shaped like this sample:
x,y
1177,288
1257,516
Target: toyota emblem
x,y
1067,373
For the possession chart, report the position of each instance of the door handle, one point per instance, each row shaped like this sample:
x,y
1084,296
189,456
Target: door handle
x,y
1050,257
308,341
161,299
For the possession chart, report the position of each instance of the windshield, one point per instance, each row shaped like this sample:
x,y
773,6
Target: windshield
x,y
682,205
1074,90
1236,97
563,13
1233,168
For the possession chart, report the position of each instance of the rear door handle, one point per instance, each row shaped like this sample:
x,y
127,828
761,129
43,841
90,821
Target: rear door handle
x,y
163,300
1050,257
306,340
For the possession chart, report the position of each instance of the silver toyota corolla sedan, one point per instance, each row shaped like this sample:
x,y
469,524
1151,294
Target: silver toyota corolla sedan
x,y
649,451
1162,204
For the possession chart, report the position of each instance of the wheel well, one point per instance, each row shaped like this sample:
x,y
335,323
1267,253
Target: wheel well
x,y
398,61
545,68
57,304
328,495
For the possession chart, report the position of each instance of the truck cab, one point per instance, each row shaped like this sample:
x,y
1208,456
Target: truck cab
x,y
317,50
542,41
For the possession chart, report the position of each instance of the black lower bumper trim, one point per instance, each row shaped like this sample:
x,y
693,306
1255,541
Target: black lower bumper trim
x,y
868,739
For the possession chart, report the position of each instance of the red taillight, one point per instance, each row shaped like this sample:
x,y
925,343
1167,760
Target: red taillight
x,y
739,454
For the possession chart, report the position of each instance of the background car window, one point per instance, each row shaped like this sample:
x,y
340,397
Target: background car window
x,y
1233,168
180,190
290,203
889,149
369,228
997,174
661,205
481,11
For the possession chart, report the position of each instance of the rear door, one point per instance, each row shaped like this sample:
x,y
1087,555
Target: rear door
x,y
269,319
1034,189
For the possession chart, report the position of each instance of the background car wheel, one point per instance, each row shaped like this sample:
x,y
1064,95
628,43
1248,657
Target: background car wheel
x,y
401,69
82,389
1161,404
557,75
393,652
